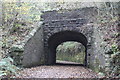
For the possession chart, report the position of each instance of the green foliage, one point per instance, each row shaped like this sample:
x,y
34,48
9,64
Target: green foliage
x,y
118,34
21,11
15,27
79,58
115,65
7,68
71,51
114,48
107,13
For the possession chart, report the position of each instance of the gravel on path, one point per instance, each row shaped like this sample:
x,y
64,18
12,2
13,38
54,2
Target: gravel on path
x,y
57,71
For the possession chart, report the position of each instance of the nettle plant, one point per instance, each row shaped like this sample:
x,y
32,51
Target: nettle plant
x,y
7,69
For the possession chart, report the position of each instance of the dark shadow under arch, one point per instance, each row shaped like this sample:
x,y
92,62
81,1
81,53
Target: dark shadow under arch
x,y
63,36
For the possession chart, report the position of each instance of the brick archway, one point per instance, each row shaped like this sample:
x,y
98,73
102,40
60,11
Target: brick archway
x,y
74,25
63,36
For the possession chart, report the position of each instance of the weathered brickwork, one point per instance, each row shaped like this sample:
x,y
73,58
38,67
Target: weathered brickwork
x,y
72,21
71,25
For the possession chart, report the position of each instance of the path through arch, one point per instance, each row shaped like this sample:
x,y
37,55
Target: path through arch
x,y
61,37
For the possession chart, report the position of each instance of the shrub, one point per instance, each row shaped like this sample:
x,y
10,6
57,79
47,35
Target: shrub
x,y
7,68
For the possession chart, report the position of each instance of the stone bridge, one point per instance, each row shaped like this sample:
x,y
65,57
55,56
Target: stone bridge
x,y
70,26
58,27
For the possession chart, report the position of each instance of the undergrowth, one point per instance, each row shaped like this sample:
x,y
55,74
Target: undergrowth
x,y
7,69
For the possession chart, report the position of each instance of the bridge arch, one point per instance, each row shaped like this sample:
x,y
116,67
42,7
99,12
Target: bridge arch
x,y
64,36
70,25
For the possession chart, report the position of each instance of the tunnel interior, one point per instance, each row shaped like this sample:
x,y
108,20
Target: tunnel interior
x,y
64,36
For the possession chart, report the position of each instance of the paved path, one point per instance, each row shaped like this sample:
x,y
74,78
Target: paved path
x,y
57,71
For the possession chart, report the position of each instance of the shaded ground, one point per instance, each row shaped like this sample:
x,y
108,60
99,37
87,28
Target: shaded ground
x,y
57,71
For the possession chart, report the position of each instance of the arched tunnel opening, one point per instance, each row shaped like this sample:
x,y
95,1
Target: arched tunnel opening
x,y
70,52
64,36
